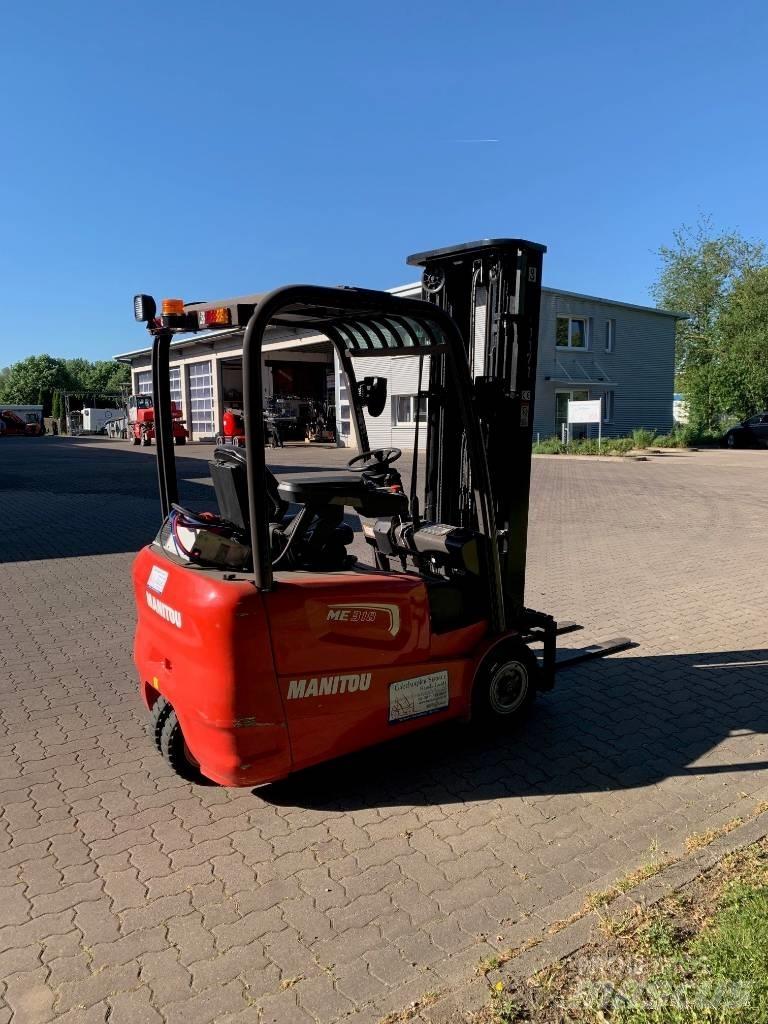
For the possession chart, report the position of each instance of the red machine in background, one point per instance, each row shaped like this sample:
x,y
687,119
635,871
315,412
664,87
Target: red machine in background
x,y
14,425
232,428
141,421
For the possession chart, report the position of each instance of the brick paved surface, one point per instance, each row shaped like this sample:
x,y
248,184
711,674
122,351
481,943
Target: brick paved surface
x,y
127,895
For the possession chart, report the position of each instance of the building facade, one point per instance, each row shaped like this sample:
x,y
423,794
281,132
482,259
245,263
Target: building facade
x,y
589,348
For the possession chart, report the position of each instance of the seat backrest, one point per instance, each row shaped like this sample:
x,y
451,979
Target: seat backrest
x,y
230,482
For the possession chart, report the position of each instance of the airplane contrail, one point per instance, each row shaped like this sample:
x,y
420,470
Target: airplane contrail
x,y
477,140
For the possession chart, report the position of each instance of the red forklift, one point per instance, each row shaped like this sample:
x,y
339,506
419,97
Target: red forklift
x,y
141,421
263,646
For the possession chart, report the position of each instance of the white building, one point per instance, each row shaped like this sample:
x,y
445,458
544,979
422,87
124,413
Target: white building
x,y
589,348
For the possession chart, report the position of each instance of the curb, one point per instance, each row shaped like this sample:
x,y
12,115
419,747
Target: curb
x,y
594,458
471,996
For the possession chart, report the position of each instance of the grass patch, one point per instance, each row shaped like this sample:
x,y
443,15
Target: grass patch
x,y
604,896
408,1014
699,957
698,840
497,960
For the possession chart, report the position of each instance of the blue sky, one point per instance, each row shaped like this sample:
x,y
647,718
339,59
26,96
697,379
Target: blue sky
x,y
201,150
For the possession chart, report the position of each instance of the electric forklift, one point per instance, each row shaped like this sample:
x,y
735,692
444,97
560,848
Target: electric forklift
x,y
263,645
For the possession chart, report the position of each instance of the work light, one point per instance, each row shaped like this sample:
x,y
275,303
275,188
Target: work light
x,y
144,308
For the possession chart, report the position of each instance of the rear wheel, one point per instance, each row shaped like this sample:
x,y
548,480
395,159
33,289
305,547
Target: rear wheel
x,y
161,709
731,441
136,440
505,687
180,439
175,750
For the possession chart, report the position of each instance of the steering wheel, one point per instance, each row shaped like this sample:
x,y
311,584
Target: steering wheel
x,y
376,459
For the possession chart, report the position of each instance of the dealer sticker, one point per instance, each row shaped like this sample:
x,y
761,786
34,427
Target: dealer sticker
x,y
157,579
423,695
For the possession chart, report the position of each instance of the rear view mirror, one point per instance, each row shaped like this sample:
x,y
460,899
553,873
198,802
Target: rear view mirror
x,y
372,393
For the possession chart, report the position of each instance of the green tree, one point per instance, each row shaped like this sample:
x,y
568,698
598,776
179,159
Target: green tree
x,y
742,376
97,377
698,275
33,378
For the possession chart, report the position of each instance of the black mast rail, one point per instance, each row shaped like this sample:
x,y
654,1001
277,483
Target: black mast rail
x,y
492,290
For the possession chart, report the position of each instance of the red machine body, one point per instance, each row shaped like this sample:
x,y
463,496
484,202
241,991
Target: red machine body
x,y
141,421
232,428
16,426
255,705
263,645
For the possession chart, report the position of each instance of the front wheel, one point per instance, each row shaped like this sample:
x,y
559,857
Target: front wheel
x,y
180,439
505,687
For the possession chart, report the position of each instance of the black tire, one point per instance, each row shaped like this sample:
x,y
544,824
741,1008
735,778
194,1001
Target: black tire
x,y
174,750
732,441
146,441
505,687
157,719
136,440
180,439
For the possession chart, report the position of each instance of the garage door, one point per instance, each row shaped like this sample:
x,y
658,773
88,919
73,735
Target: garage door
x,y
201,399
144,383
175,378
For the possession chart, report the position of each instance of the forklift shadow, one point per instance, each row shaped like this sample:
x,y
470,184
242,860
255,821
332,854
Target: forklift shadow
x,y
74,497
620,723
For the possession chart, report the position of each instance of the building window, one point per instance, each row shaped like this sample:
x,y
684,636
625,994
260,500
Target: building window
x,y
201,399
608,404
175,376
571,332
404,410
144,382
610,334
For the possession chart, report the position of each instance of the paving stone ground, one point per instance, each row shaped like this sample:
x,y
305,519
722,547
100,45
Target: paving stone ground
x,y
129,896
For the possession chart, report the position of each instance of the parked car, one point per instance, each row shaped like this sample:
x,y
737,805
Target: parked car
x,y
751,433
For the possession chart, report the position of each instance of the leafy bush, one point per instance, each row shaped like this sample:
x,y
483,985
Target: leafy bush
x,y
549,446
642,438
609,446
618,445
693,436
668,441
589,446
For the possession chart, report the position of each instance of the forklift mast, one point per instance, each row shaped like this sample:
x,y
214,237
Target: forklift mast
x,y
492,289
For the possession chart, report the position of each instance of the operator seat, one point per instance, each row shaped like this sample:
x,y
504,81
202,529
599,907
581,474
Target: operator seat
x,y
230,482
